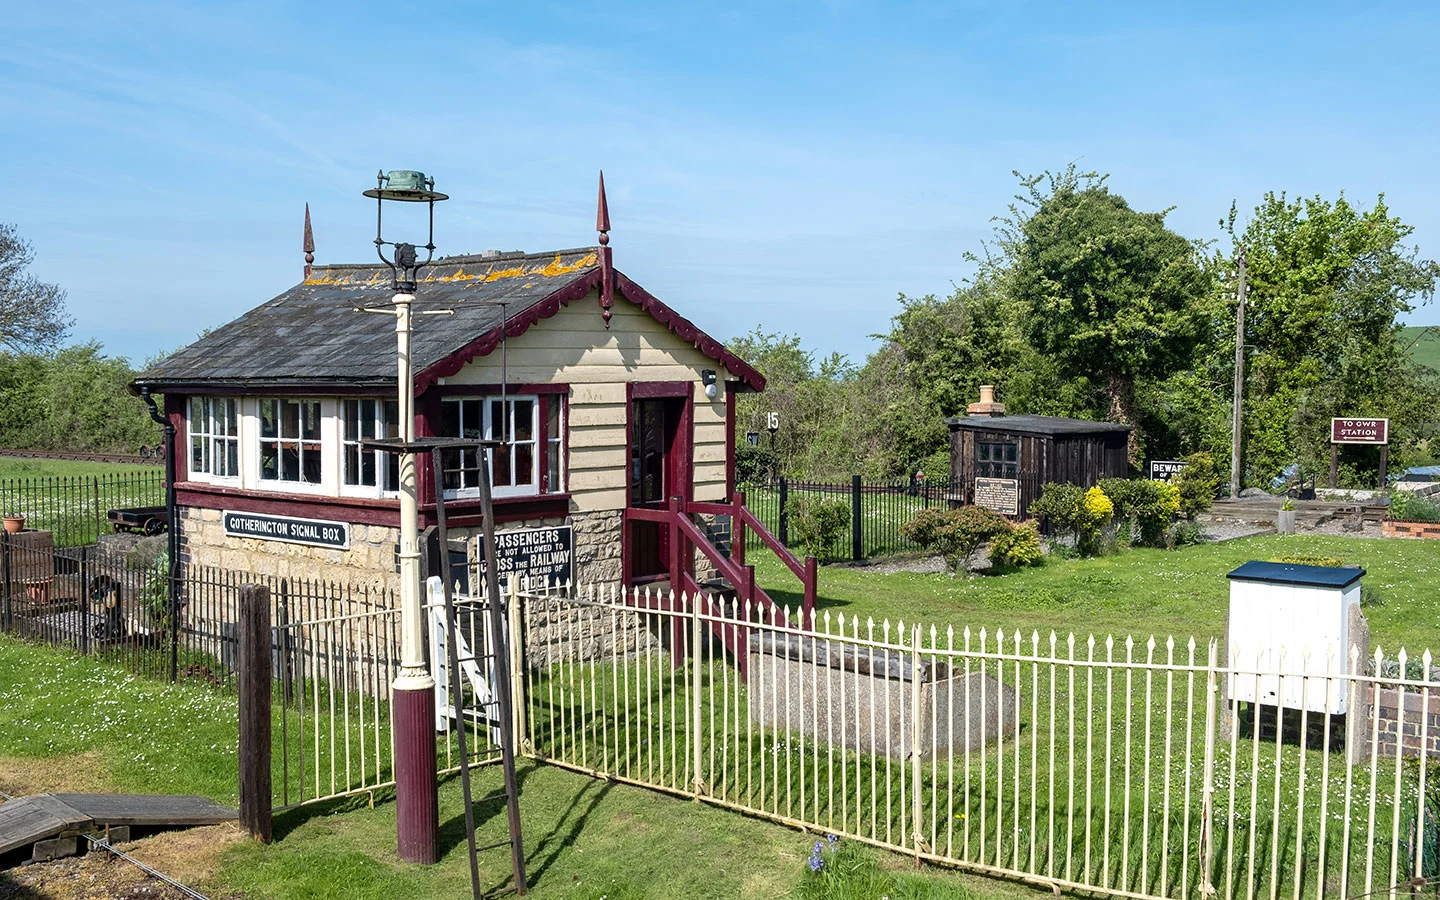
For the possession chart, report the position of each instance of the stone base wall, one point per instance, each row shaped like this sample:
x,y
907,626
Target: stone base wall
x,y
1410,529
371,557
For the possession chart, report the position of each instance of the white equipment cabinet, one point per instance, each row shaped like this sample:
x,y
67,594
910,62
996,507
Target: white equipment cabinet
x,y
1291,621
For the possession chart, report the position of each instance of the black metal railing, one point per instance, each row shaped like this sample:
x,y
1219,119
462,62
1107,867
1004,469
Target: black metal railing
x,y
878,510
113,603
75,509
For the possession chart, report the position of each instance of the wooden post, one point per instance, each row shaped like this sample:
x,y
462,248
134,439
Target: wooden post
x,y
857,532
810,592
737,529
254,685
1334,463
677,583
1384,465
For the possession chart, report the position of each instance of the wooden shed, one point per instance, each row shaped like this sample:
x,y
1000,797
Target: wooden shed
x,y
1001,462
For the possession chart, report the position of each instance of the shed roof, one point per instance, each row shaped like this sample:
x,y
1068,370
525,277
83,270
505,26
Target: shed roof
x,y
1293,573
1048,425
312,334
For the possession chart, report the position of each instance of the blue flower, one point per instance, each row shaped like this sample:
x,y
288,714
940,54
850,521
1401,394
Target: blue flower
x,y
816,863
833,839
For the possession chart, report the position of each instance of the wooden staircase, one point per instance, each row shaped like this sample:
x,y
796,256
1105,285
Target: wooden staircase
x,y
735,581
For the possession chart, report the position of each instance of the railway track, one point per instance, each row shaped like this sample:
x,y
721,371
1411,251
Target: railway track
x,y
146,457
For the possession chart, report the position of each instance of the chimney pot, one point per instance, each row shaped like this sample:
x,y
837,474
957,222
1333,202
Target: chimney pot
x,y
987,405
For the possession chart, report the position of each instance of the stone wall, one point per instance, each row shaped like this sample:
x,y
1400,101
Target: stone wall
x,y
371,557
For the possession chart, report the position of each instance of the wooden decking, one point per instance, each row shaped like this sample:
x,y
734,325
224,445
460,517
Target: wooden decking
x,y
26,820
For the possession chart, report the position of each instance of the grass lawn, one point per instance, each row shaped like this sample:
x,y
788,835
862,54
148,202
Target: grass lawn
x,y
69,723
1142,592
23,467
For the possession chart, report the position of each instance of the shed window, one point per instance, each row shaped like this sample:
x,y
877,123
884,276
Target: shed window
x,y
290,441
367,419
997,459
530,458
214,429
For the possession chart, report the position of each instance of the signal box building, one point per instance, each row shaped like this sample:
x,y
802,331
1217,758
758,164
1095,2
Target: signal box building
x,y
1001,462
596,387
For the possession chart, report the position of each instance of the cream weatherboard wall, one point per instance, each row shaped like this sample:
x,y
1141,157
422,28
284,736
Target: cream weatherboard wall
x,y
573,347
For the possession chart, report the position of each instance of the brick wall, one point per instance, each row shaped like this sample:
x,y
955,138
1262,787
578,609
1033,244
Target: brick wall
x,y
1410,529
1406,731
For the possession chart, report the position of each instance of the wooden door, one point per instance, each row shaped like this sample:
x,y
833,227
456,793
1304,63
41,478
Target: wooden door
x,y
659,468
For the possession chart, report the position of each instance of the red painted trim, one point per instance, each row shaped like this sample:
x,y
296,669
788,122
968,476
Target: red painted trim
x,y
485,390
360,510
575,290
366,510
626,577
542,443
654,390
427,424
565,443
175,409
686,331
684,467
729,444
518,325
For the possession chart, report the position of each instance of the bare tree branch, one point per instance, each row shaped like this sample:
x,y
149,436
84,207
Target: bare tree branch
x,y
32,313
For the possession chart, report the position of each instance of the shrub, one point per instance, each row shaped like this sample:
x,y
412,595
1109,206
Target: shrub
x,y
1096,511
1018,547
1143,509
1059,505
1074,510
1300,559
1184,533
755,464
955,534
817,524
1198,483
1408,507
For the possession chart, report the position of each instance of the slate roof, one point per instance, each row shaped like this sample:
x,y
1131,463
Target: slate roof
x,y
311,333
1048,425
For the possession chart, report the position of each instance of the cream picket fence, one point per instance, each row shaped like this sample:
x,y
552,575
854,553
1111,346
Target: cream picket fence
x,y
1109,765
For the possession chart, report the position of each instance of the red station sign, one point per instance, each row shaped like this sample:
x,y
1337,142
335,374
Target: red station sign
x,y
1359,431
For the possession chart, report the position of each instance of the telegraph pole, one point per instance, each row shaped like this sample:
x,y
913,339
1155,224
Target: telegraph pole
x,y
1239,382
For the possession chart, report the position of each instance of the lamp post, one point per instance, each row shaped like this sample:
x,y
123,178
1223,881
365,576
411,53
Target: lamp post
x,y
413,709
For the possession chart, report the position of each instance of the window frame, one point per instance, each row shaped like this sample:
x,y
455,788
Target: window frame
x,y
1006,465
212,438
548,440
321,447
387,465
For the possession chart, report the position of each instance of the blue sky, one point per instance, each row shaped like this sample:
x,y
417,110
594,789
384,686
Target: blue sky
x,y
792,166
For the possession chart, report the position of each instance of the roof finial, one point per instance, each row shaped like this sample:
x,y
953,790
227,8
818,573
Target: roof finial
x,y
309,243
602,213
607,266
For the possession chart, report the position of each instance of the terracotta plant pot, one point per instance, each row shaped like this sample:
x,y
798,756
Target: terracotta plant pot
x,y
14,524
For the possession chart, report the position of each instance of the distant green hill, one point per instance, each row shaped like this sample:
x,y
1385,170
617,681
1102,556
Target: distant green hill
x,y
1424,344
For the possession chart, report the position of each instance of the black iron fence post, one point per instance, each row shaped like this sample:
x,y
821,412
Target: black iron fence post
x,y
84,602
857,529
784,528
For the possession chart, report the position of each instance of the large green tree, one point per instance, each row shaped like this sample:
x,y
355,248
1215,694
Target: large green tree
x,y
1108,293
1327,283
